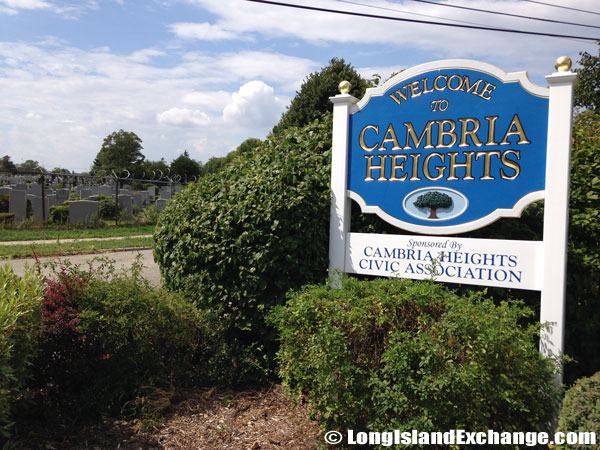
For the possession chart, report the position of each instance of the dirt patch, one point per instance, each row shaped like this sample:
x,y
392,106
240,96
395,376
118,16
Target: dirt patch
x,y
249,419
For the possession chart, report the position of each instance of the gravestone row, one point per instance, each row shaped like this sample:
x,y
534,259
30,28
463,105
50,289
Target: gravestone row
x,y
80,211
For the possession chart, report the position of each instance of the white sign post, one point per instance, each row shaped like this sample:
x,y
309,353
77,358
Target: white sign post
x,y
534,265
556,213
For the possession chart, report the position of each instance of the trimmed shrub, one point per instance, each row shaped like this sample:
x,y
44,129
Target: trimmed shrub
x,y
581,409
4,203
59,214
236,241
7,218
396,354
107,207
108,338
20,327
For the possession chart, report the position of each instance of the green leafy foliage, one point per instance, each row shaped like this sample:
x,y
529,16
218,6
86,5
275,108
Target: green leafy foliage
x,y
20,327
4,203
583,259
396,354
59,214
587,89
7,218
236,241
6,164
121,150
107,207
581,409
215,164
313,99
109,337
186,167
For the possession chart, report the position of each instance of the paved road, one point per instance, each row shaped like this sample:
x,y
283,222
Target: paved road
x,y
123,259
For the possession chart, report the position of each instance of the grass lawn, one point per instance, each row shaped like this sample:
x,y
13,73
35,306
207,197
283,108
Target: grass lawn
x,y
66,248
55,233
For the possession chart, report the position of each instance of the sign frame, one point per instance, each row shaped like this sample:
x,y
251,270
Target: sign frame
x,y
555,195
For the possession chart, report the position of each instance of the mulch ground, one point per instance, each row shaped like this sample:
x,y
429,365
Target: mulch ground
x,y
253,419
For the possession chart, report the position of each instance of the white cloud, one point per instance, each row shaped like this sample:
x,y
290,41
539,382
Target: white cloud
x,y
509,51
8,11
183,117
202,31
26,4
144,56
67,10
60,102
254,106
211,100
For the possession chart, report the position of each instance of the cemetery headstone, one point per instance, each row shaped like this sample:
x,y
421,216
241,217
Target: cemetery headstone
x,y
18,204
83,211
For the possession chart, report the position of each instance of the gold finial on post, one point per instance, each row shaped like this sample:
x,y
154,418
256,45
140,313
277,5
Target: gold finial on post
x,y
344,87
563,64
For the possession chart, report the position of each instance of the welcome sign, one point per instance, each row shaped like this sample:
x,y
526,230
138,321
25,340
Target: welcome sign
x,y
431,150
446,148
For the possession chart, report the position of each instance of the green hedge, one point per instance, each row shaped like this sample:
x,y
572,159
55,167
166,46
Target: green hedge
x,y
59,214
236,241
7,218
20,327
395,354
581,410
4,203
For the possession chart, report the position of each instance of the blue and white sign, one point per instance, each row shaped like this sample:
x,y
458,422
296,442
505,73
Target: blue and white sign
x,y
448,147
430,150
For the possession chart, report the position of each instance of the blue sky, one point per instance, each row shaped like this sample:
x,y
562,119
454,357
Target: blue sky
x,y
204,75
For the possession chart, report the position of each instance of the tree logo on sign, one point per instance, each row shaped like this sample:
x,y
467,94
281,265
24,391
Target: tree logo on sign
x,y
433,200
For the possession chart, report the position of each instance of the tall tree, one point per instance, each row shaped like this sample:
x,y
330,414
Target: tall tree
x,y
61,171
313,99
6,165
149,170
121,150
30,166
185,167
587,90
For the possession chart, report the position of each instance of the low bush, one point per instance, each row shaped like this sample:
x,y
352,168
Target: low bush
x,y
20,327
107,207
6,218
59,214
581,409
396,354
110,337
4,203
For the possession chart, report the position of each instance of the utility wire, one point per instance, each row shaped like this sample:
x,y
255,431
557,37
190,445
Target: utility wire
x,y
408,12
427,15
426,22
563,7
505,14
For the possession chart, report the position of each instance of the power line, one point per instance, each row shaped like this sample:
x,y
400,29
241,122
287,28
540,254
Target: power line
x,y
408,12
422,15
425,22
562,7
505,14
